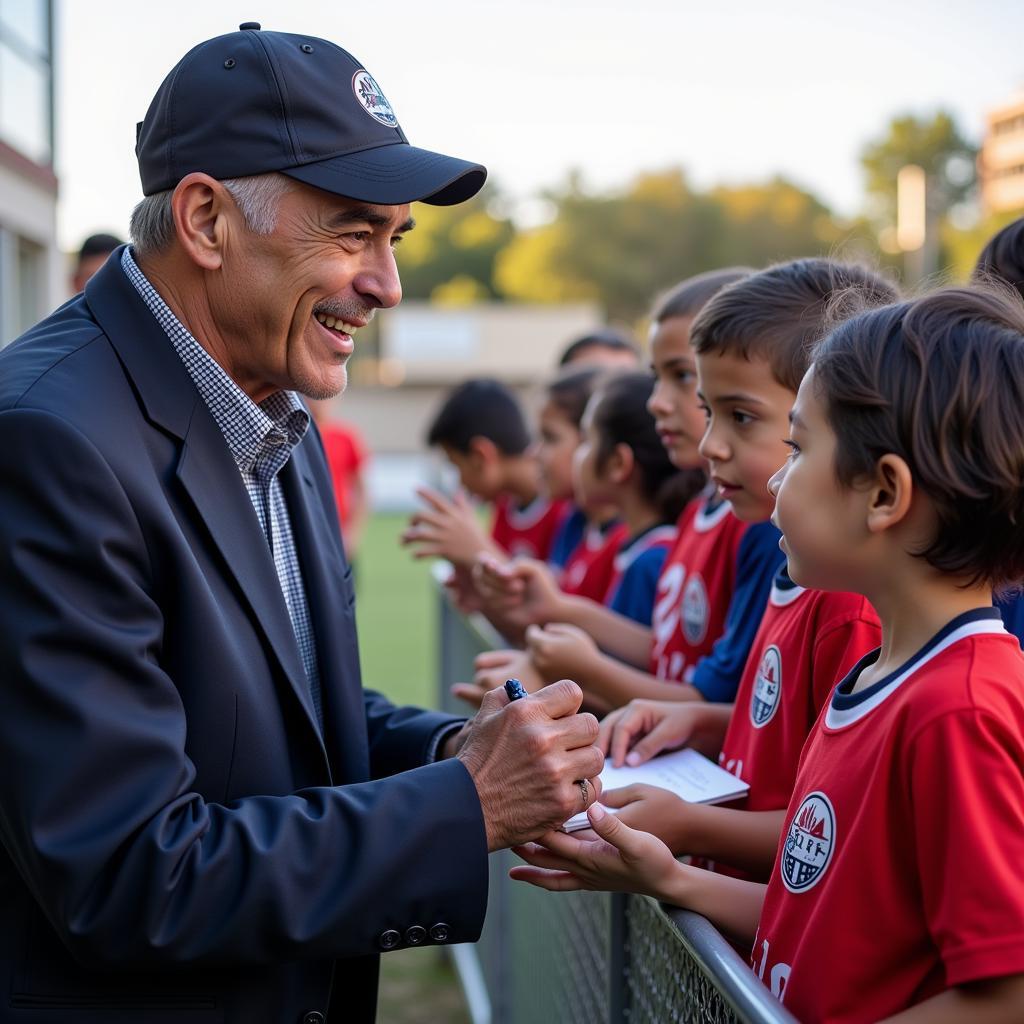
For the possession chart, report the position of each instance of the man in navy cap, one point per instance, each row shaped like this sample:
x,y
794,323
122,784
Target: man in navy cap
x,y
204,817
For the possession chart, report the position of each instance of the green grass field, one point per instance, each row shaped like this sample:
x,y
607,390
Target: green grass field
x,y
396,612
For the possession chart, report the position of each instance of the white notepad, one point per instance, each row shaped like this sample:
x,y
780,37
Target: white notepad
x,y
687,773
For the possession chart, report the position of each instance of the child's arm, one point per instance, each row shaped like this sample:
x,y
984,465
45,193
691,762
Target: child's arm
x,y
530,588
747,840
623,859
563,651
992,1001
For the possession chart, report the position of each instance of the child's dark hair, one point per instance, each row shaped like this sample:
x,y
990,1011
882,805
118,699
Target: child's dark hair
x,y
939,381
570,391
620,416
781,313
689,297
1003,257
610,338
480,408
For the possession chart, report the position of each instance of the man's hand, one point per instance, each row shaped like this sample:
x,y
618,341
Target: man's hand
x,y
621,859
561,650
492,669
446,528
526,758
635,733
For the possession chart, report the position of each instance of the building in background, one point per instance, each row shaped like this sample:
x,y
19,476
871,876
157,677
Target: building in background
x,y
32,268
1001,162
421,351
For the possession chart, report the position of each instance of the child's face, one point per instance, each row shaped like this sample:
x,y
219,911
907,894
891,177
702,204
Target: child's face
x,y
747,424
588,484
559,438
818,517
479,474
673,402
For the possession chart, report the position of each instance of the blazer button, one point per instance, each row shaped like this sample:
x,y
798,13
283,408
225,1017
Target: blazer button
x,y
313,1017
415,935
439,932
389,939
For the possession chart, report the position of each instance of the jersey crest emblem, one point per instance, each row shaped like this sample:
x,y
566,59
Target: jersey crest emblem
x,y
809,843
372,99
695,609
764,701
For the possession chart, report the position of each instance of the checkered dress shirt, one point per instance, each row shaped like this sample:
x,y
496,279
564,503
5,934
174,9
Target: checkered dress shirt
x,y
260,438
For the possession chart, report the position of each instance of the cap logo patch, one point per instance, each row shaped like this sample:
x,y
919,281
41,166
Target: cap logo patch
x,y
373,101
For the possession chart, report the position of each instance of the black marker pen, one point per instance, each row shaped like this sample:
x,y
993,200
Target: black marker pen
x,y
515,689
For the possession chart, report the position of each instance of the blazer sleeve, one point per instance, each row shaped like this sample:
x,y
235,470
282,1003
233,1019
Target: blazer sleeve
x,y
97,806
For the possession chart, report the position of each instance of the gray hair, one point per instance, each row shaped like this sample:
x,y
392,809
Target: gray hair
x,y
258,198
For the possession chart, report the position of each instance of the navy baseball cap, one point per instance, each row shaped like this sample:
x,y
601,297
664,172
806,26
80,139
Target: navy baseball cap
x,y
253,102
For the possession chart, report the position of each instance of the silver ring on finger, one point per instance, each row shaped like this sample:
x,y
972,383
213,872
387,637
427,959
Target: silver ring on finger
x,y
584,785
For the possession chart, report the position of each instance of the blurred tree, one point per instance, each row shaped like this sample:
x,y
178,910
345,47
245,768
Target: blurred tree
x,y
454,242
933,143
622,249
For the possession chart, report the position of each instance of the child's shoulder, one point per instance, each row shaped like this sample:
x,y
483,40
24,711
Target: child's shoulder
x,y
834,609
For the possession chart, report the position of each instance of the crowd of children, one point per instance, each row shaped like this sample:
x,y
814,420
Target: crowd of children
x,y
796,547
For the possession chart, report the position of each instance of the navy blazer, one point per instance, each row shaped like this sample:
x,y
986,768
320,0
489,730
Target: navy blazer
x,y
179,842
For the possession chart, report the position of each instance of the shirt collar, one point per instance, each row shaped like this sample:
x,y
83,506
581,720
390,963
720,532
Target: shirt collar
x,y
249,429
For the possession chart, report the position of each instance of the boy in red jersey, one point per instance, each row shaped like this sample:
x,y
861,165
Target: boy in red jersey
x,y
806,641
896,893
483,434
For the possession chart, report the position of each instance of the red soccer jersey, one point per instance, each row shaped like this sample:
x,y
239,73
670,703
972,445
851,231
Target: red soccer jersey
x,y
898,873
807,641
527,531
694,589
589,569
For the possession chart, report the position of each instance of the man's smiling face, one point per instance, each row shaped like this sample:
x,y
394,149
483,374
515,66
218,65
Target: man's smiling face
x,y
289,302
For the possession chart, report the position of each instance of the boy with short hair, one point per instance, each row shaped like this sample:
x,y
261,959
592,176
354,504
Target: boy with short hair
x,y
807,639
482,431
752,341
897,887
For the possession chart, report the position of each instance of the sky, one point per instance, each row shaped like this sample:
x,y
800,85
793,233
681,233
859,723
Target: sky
x,y
732,92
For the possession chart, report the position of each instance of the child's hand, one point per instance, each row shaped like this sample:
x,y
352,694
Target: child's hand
x,y
463,594
561,651
635,733
655,810
622,859
497,581
525,586
492,669
446,528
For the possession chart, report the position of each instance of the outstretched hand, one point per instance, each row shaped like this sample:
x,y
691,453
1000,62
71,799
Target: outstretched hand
x,y
492,669
620,859
522,587
446,528
561,650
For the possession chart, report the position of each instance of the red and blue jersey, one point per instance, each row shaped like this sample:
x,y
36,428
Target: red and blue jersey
x,y
589,570
636,571
710,597
528,531
898,870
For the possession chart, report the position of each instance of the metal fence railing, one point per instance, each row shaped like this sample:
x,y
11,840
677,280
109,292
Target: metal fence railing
x,y
591,958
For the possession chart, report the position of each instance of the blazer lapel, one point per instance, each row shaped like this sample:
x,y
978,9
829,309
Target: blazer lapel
x,y
205,467
330,606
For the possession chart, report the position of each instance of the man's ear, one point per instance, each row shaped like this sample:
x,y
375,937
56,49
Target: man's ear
x,y
890,494
201,207
483,451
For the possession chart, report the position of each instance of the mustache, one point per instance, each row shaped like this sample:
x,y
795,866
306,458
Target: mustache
x,y
345,311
